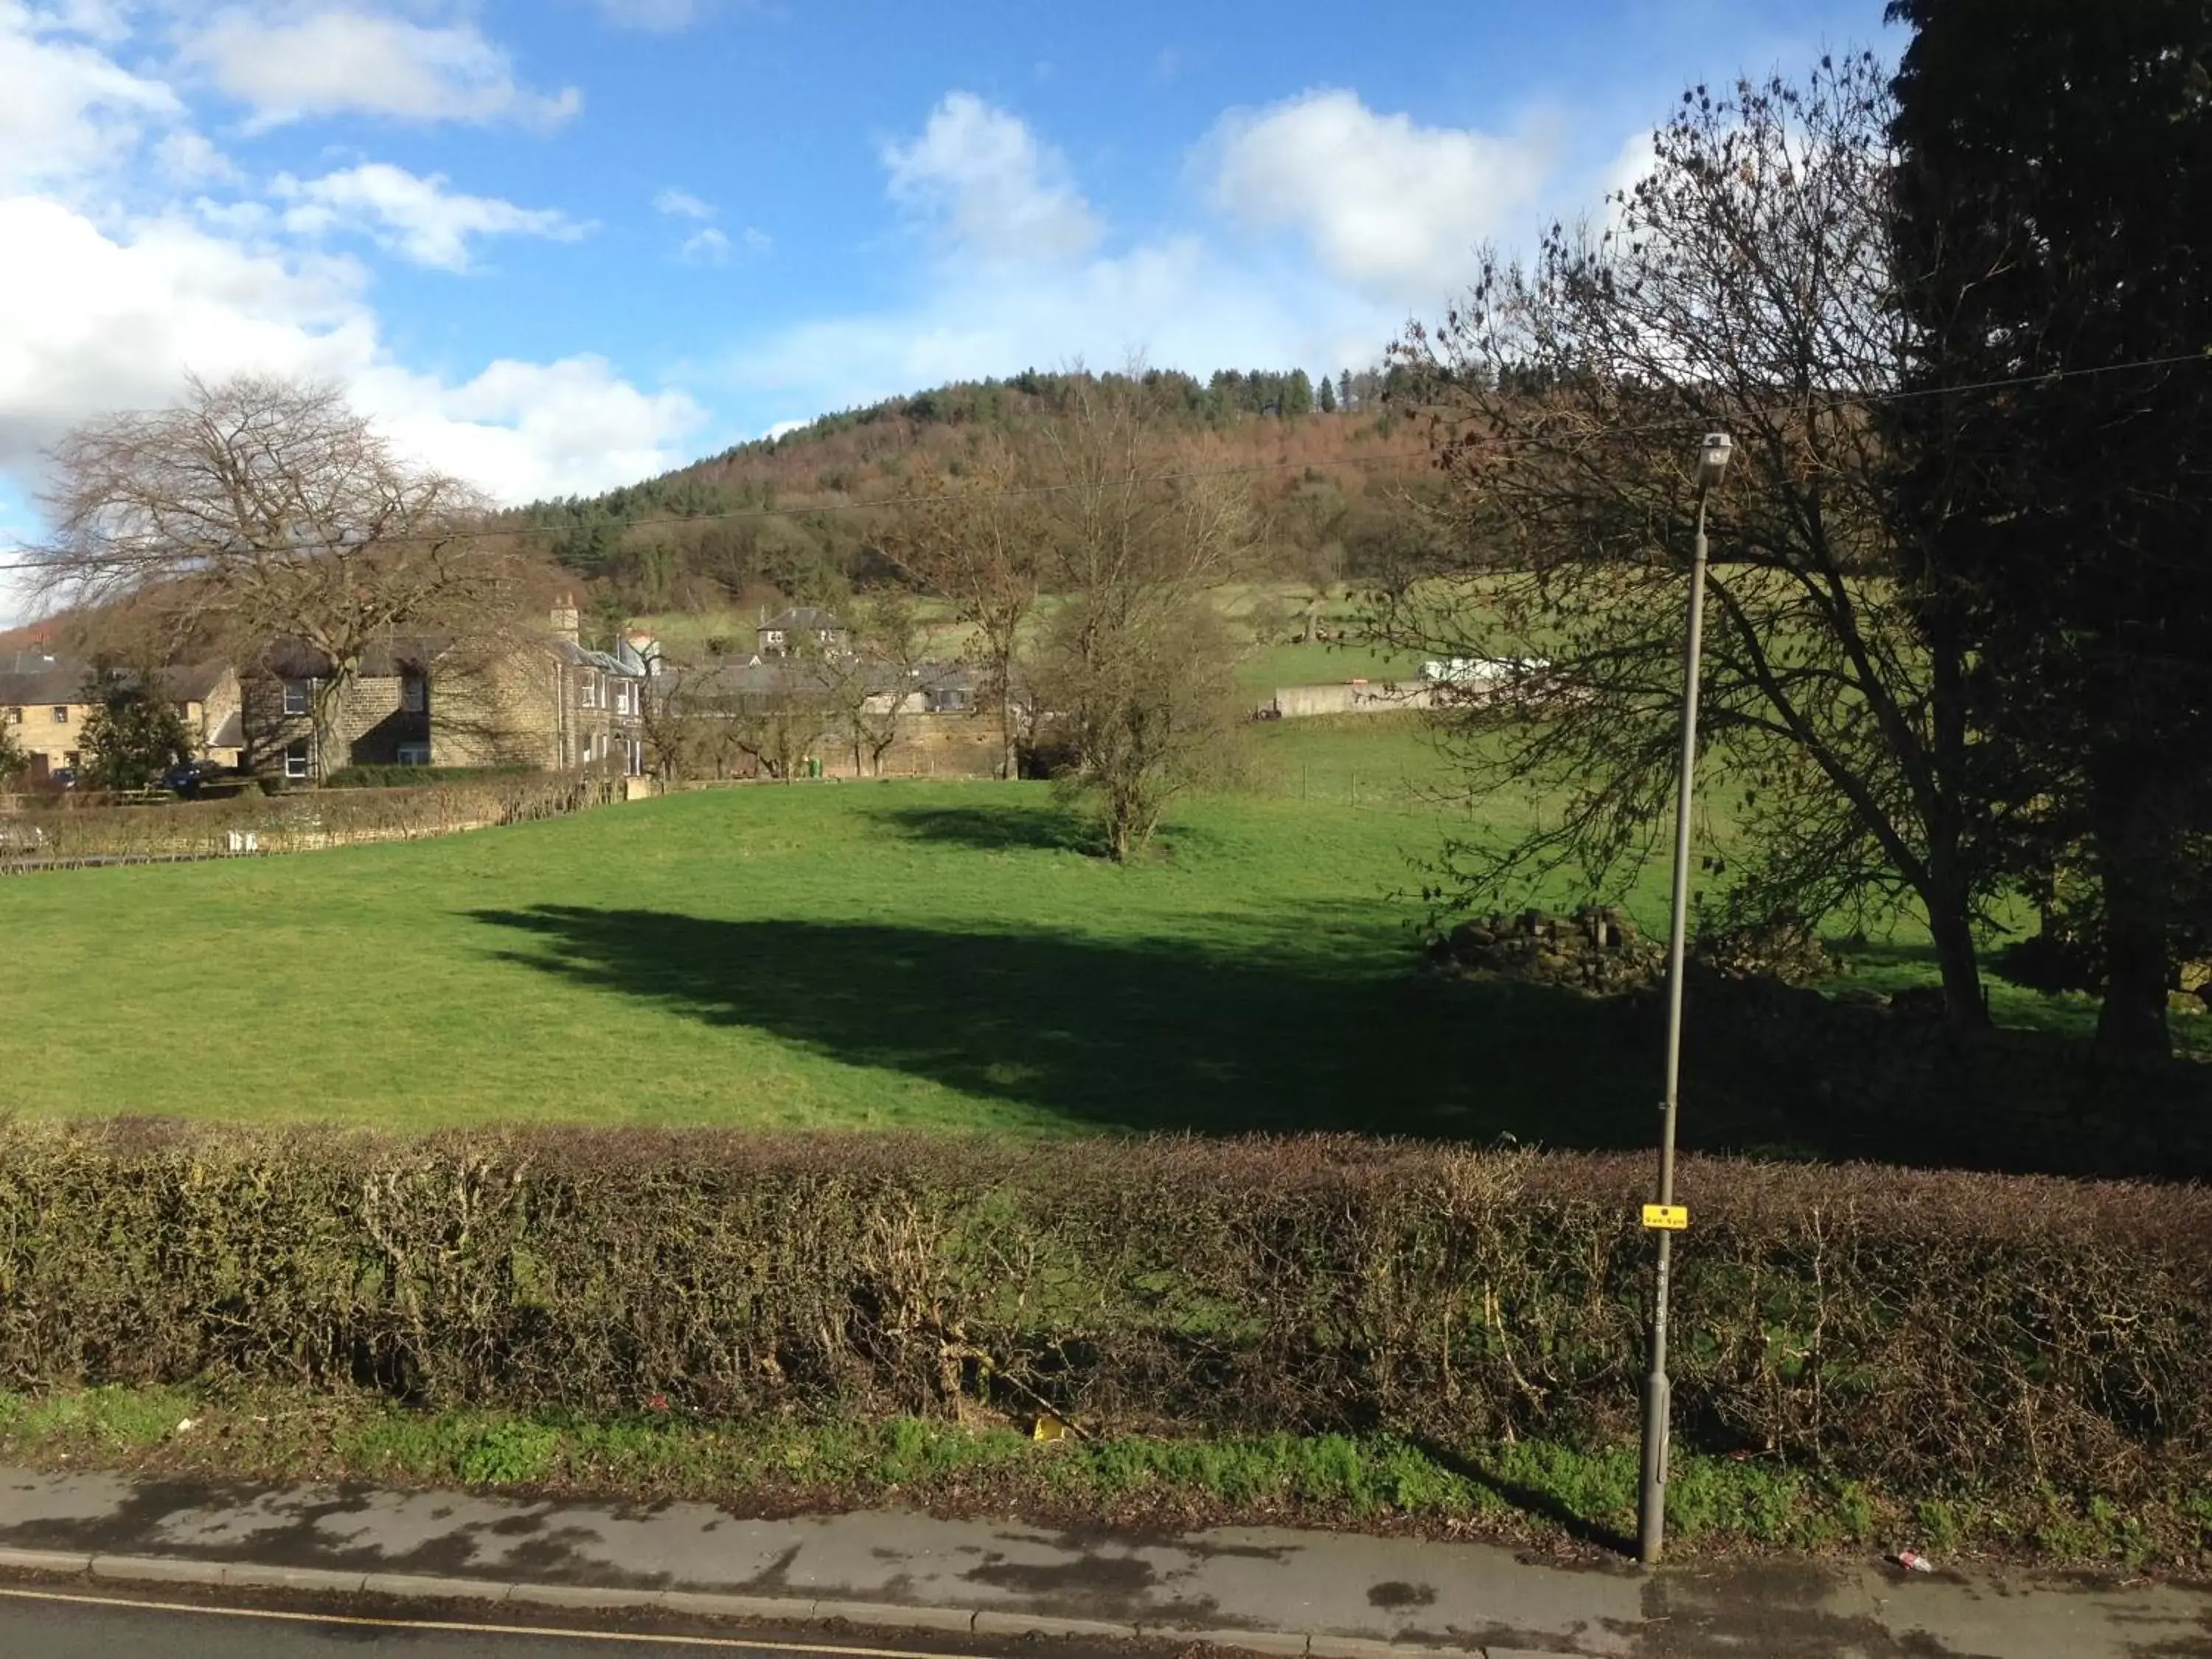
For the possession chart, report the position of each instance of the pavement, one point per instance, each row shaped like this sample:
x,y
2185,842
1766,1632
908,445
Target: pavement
x,y
979,1586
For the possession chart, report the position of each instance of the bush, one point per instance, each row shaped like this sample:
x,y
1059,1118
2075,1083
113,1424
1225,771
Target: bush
x,y
413,777
1874,1322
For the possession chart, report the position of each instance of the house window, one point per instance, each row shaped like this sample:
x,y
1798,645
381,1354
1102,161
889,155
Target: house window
x,y
948,700
414,754
296,760
584,755
591,690
295,699
61,714
15,717
414,695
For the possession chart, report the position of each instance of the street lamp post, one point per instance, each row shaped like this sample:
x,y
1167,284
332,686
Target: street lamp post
x,y
1652,1498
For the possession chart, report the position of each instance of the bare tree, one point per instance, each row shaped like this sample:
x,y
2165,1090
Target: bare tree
x,y
260,509
779,727
1139,666
1743,288
981,541
871,685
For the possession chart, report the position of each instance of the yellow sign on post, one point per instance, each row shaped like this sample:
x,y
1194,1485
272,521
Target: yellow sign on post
x,y
1667,1217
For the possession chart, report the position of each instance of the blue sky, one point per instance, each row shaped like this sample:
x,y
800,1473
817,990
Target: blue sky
x,y
562,244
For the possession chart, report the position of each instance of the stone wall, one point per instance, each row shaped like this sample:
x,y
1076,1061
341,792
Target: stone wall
x,y
1348,697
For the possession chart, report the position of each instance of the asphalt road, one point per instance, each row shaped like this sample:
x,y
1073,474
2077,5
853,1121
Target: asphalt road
x,y
72,1624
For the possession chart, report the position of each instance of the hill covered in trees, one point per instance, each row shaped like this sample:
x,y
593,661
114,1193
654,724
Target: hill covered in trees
x,y
803,514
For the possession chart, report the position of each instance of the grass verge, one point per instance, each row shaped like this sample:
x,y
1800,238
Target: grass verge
x,y
1528,1493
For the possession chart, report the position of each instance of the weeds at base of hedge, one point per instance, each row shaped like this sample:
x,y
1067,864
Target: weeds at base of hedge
x,y
1527,1491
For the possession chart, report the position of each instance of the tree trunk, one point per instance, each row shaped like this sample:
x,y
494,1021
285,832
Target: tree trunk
x,y
326,702
1949,899
2135,846
1010,761
1953,936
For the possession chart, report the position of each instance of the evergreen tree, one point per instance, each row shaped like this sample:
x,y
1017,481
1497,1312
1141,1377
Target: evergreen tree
x,y
2054,180
133,734
1324,398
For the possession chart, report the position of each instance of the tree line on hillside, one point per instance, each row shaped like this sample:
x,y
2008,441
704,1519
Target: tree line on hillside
x,y
1959,647
803,515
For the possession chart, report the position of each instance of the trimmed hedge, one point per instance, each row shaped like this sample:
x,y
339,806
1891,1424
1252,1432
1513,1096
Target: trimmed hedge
x,y
416,777
1874,1322
296,821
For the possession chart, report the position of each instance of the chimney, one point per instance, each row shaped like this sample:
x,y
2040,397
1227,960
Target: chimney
x,y
564,617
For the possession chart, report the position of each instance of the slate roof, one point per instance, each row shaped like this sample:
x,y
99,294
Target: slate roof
x,y
29,677
803,619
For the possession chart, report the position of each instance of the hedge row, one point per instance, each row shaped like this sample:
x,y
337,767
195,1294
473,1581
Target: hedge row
x,y
1872,1321
416,777
291,821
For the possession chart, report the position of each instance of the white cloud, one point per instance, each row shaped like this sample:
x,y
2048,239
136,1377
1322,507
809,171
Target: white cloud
x,y
66,109
338,61
416,217
186,157
95,319
710,246
1634,161
681,205
1392,207
983,178
705,247
526,430
91,322
1176,303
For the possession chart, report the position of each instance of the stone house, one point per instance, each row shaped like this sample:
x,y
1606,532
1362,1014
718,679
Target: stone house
x,y
42,701
798,629
543,701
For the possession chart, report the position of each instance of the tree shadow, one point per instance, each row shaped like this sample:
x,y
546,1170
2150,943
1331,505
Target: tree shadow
x,y
1529,1500
1143,1035
1047,826
1002,825
1277,1033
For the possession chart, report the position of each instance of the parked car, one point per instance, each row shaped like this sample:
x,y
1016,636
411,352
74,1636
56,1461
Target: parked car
x,y
186,777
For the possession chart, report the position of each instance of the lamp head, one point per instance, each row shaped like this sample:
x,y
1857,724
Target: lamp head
x,y
1713,451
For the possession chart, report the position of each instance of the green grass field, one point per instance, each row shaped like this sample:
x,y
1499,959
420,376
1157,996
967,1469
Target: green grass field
x,y
846,955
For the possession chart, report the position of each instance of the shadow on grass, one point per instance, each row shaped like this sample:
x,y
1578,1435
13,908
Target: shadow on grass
x,y
1144,1035
1287,1030
1000,826
1045,826
1529,1500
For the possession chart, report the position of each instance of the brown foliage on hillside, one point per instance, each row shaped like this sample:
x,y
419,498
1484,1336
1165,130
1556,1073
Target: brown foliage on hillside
x,y
805,516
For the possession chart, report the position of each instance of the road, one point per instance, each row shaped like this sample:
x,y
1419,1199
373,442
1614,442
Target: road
x,y
70,1623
